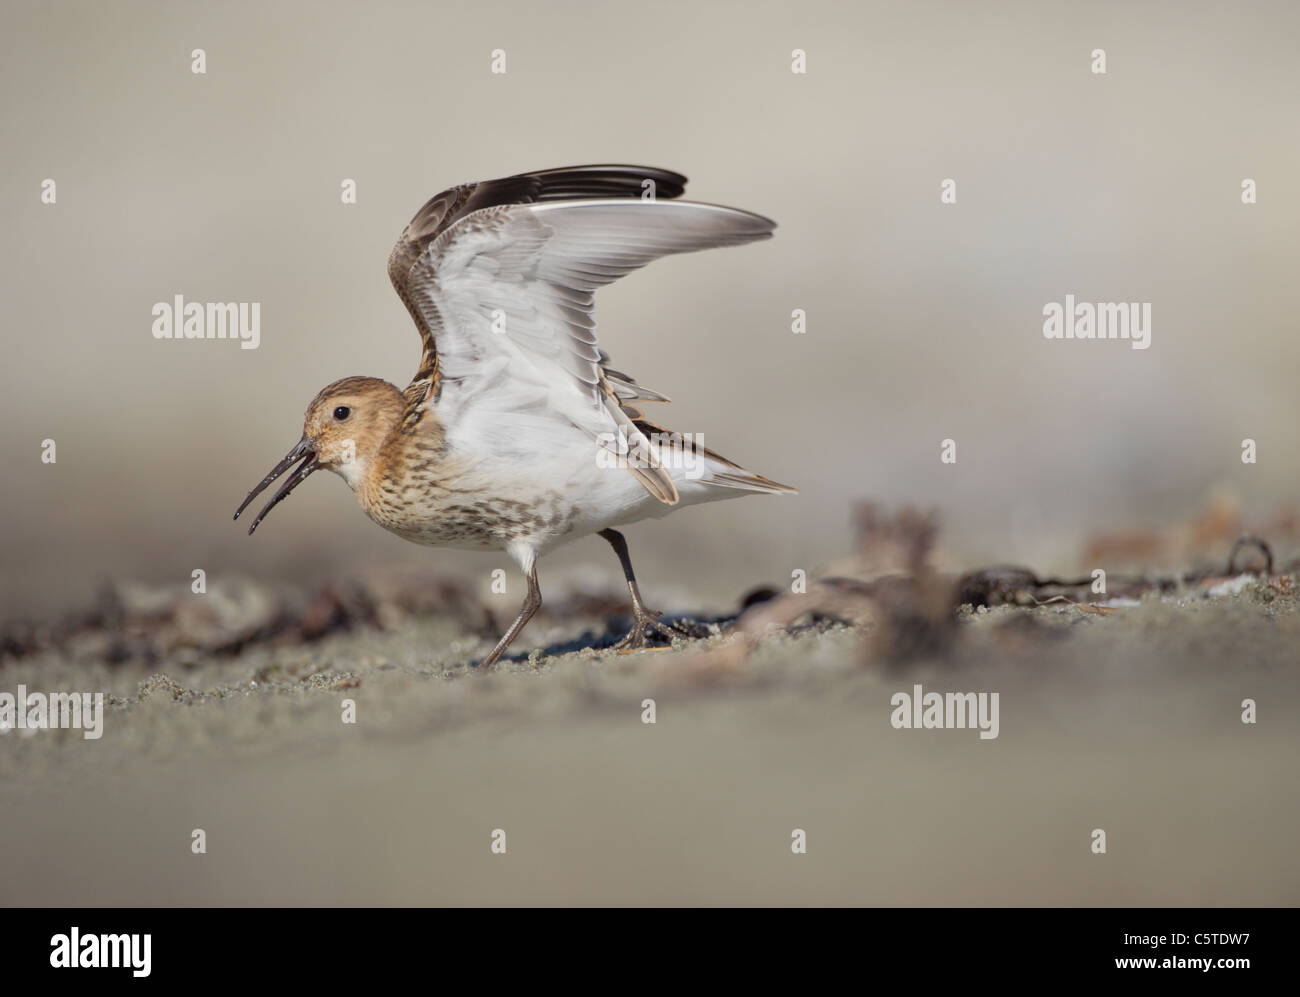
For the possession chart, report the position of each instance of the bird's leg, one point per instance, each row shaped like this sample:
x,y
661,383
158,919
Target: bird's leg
x,y
644,619
532,602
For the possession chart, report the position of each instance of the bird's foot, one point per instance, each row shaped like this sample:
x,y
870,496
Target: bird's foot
x,y
647,622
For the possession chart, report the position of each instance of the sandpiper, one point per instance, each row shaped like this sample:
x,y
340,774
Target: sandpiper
x,y
515,434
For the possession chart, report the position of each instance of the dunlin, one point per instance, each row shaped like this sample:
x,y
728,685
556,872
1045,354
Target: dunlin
x,y
515,434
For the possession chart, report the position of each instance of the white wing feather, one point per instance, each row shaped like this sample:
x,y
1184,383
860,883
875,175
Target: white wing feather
x,y
509,290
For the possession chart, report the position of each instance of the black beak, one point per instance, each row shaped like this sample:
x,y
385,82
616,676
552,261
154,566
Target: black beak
x,y
302,452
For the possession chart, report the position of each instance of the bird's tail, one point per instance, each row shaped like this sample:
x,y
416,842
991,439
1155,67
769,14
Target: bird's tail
x,y
689,459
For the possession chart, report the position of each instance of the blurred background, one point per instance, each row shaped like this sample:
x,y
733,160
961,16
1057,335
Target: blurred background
x,y
924,320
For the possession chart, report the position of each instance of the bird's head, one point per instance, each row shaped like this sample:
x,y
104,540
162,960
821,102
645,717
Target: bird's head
x,y
344,430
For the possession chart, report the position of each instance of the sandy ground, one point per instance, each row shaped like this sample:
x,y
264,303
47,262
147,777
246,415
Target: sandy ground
x,y
1129,722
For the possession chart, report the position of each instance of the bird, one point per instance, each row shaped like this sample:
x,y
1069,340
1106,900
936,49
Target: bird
x,y
515,433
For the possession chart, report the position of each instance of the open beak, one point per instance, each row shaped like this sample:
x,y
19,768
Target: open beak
x,y
302,452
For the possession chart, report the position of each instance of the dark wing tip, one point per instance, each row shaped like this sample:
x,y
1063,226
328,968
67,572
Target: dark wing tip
x,y
606,180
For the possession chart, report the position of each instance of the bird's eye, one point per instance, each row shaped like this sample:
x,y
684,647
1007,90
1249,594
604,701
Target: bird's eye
x,y
342,412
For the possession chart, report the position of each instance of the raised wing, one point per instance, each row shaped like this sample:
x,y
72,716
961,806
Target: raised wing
x,y
504,298
444,210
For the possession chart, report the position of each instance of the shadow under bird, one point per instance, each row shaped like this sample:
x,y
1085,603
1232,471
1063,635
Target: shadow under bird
x,y
515,434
